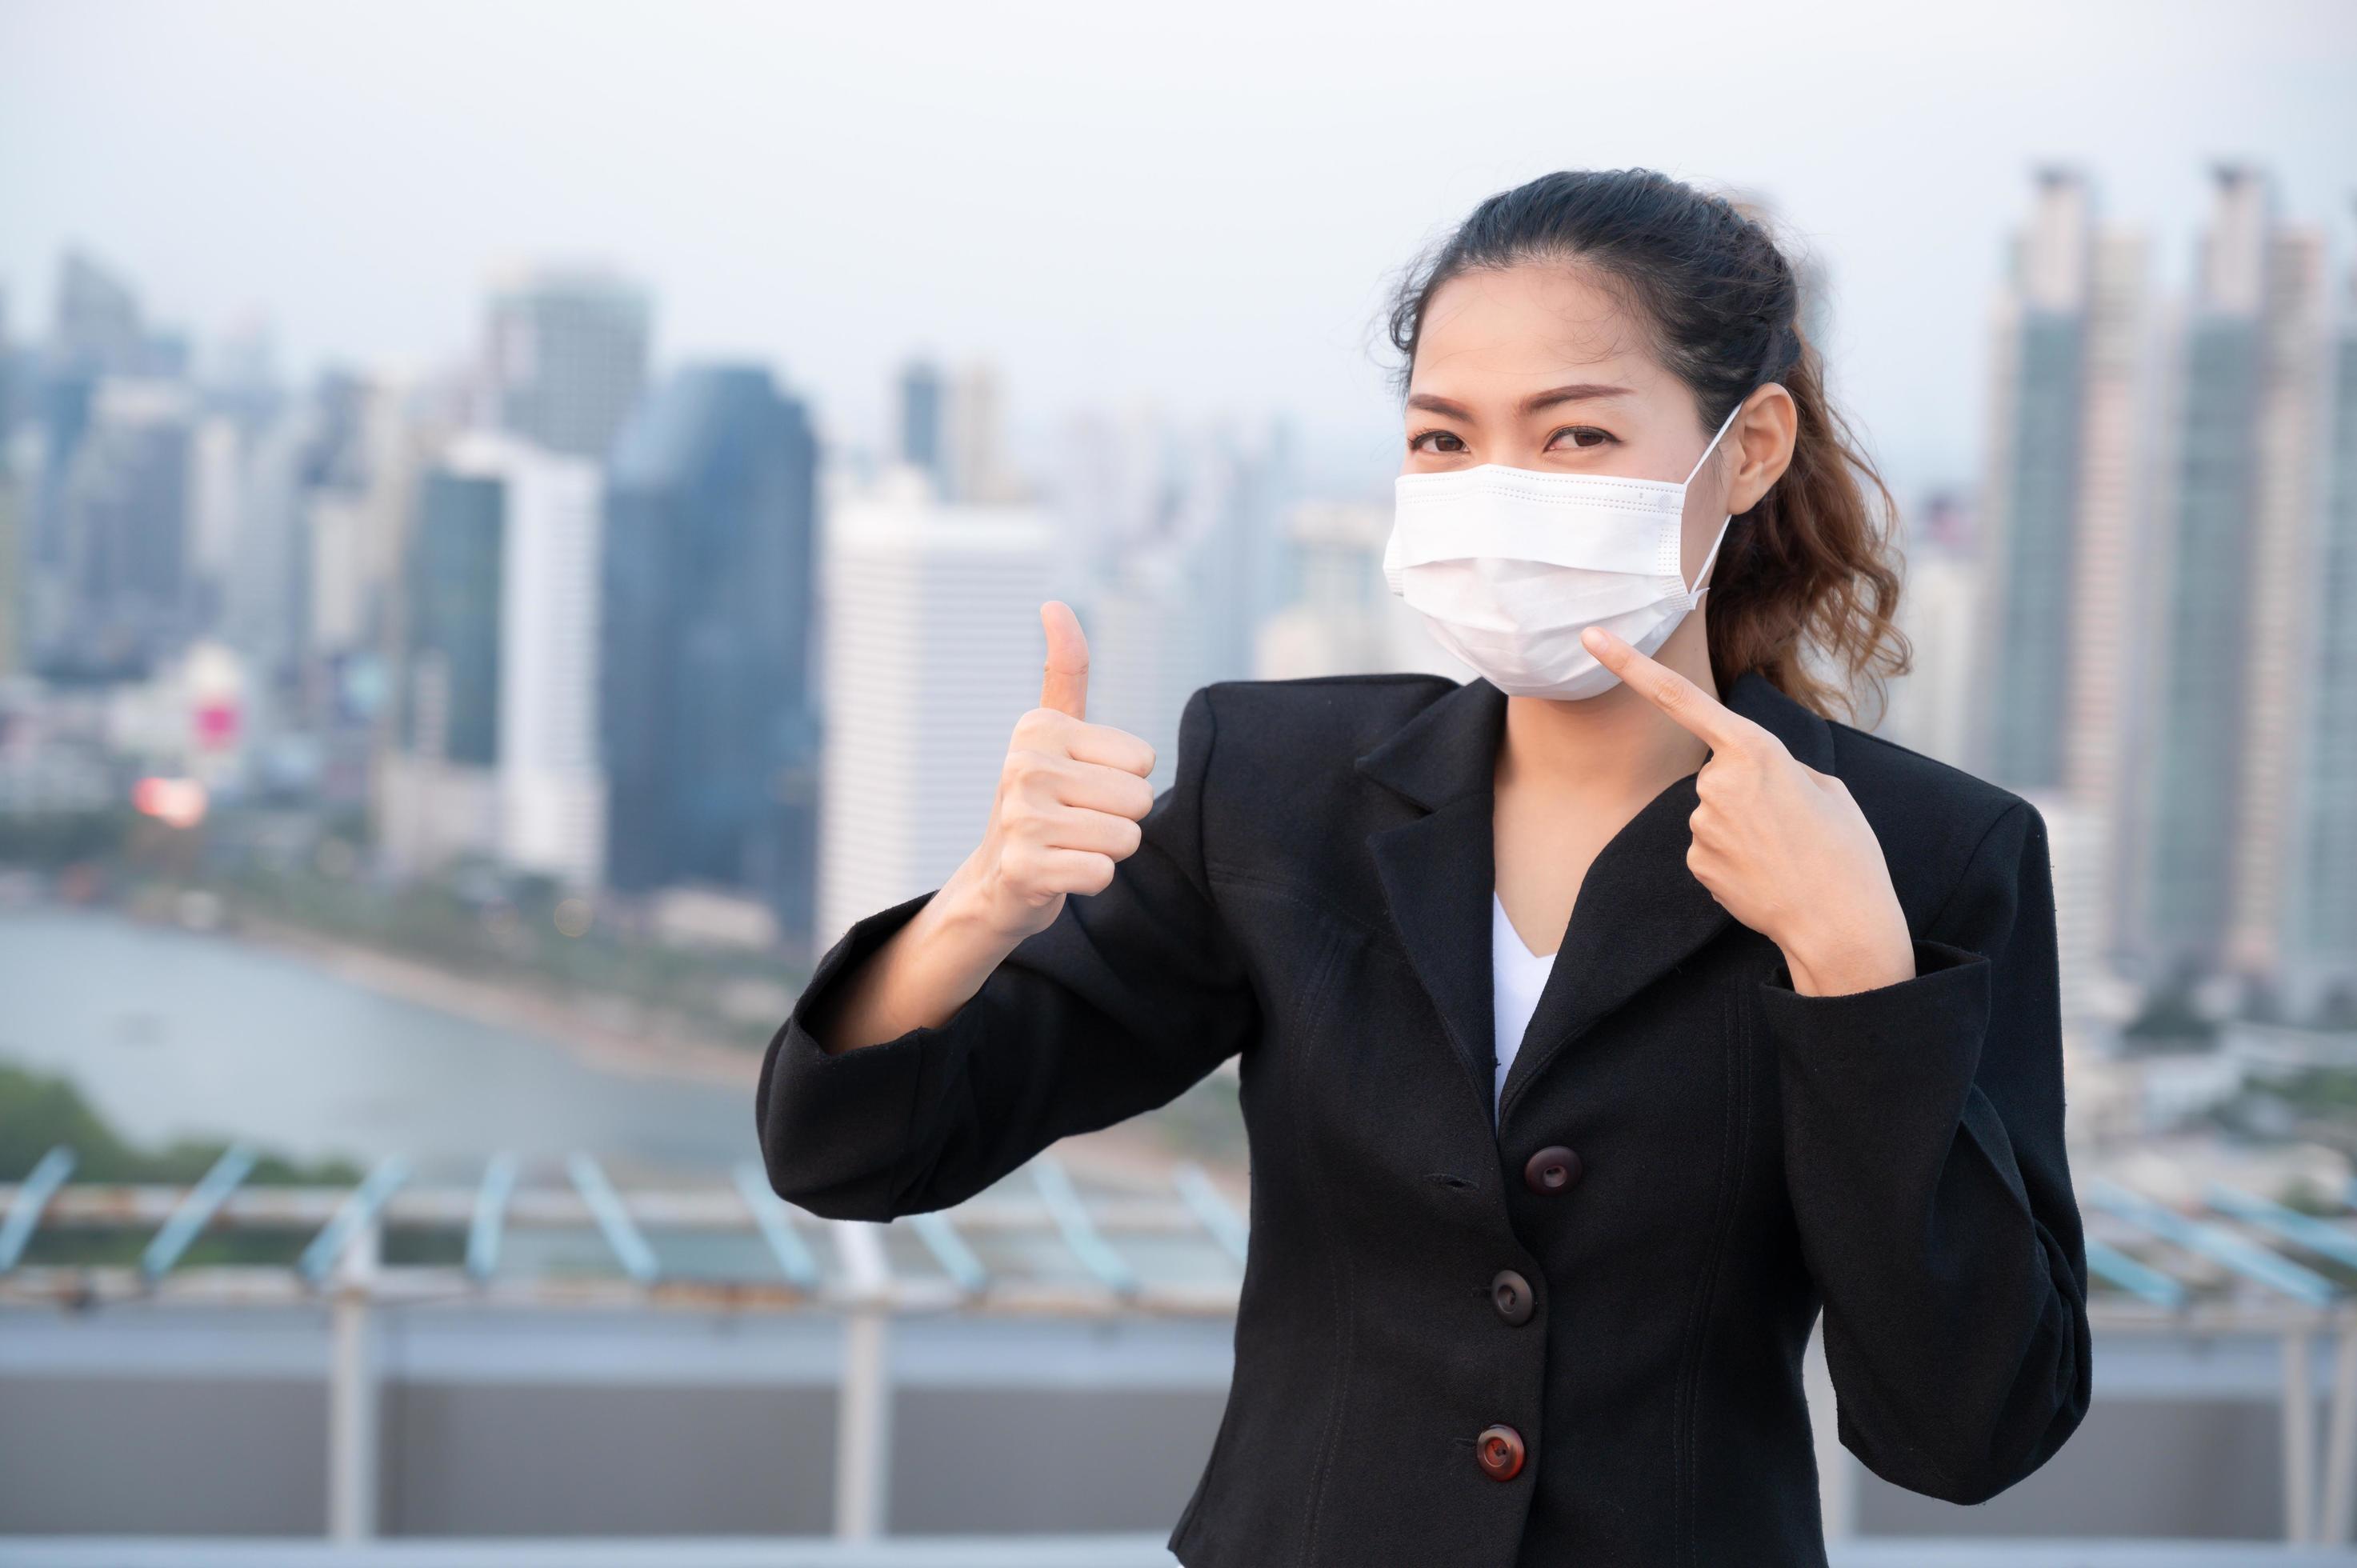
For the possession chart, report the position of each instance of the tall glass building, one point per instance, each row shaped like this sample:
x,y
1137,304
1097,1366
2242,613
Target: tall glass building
x,y
450,703
709,734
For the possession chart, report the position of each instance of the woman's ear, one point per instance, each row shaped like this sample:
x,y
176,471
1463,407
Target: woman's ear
x,y
1762,437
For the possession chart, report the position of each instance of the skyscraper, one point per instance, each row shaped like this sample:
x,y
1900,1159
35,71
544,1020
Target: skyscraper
x,y
974,431
123,537
12,569
2323,927
933,647
12,513
456,579
2059,522
99,328
437,785
2234,532
920,416
495,745
2058,504
566,356
709,735
551,779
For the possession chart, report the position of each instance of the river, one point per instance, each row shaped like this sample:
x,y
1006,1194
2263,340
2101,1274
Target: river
x,y
170,1033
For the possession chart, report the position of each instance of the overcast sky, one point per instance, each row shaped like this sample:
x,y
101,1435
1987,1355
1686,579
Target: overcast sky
x,y
1193,206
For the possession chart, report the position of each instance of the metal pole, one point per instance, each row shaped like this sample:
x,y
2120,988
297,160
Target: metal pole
x,y
2298,1438
351,1394
1837,1476
2340,1442
863,1419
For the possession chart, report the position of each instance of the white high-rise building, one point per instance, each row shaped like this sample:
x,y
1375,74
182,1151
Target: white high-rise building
x,y
551,789
540,803
933,650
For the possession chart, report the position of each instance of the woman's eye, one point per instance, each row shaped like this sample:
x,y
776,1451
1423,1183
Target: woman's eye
x,y
1582,435
1435,441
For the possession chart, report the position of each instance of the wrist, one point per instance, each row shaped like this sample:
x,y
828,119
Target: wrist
x,y
1853,965
964,912
1835,962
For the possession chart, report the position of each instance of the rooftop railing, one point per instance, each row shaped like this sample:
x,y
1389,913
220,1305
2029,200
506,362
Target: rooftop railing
x,y
1036,1244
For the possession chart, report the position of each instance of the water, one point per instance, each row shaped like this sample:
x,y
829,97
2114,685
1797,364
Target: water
x,y
168,1032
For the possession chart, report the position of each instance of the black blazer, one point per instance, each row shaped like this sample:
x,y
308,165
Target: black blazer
x,y
1623,1267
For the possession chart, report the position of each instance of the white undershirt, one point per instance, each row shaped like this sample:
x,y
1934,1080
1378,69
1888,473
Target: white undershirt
x,y
1516,977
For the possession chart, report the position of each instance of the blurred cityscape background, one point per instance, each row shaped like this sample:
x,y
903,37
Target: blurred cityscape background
x,y
434,747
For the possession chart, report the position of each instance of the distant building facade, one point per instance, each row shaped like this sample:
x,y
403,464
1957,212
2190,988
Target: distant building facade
x,y
709,730
566,356
933,649
2236,526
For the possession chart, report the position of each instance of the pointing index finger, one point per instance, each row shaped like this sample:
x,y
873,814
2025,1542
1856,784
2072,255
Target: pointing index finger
x,y
1687,705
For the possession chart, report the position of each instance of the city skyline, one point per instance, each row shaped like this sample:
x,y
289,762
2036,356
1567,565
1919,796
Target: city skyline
x,y
1190,253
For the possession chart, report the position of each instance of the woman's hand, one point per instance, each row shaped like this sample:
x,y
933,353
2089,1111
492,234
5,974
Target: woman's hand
x,y
1783,846
1070,796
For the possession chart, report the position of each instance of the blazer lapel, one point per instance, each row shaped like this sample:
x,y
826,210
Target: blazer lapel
x,y
1640,912
1439,870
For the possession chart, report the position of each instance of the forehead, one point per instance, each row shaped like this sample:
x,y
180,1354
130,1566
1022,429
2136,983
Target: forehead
x,y
1535,324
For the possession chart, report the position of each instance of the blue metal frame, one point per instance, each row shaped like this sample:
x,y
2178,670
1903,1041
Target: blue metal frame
x,y
196,1212
2215,1243
25,1213
1080,1233
366,1201
486,1230
621,1233
950,1251
2322,1237
770,1213
2138,1279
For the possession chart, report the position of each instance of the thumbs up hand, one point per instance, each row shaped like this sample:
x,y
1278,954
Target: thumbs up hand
x,y
1070,796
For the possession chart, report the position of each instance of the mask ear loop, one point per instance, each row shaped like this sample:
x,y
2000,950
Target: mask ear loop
x,y
1724,426
1694,596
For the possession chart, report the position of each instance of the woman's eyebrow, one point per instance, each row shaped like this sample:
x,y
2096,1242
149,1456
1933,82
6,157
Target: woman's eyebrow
x,y
1441,406
1579,392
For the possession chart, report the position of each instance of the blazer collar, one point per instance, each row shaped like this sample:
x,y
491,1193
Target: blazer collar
x,y
1640,911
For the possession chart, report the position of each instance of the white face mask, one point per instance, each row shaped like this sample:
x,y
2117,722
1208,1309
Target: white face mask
x,y
1508,567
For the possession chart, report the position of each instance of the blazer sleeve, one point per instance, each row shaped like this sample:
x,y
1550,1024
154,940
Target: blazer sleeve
x,y
1925,1163
1131,995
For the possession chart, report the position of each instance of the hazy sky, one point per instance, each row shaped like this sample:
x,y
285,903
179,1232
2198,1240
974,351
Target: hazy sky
x,y
1193,206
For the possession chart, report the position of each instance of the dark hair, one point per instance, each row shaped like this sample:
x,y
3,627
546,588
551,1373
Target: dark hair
x,y
1814,562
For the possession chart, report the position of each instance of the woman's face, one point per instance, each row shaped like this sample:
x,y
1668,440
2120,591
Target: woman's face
x,y
1536,367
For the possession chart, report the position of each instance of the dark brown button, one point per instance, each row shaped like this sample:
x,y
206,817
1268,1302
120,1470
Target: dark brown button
x,y
1500,1449
1552,1169
1510,1294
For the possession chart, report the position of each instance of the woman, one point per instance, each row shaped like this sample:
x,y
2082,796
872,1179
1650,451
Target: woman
x,y
1537,1241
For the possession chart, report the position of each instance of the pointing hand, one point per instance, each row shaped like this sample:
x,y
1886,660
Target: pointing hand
x,y
1780,845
